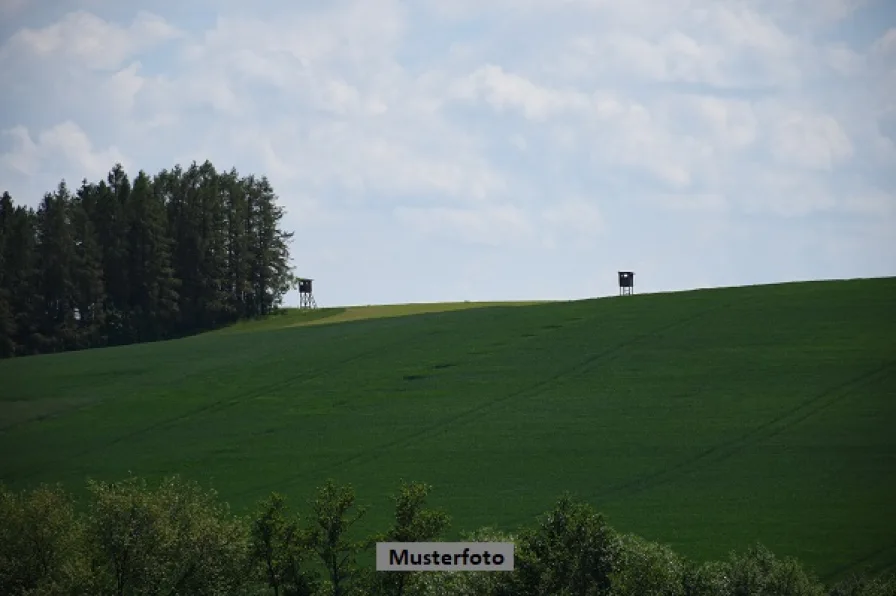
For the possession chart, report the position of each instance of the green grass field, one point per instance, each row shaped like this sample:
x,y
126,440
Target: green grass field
x,y
707,420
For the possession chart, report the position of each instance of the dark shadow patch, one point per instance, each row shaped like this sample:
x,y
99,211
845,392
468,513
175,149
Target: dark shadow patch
x,y
528,335
414,377
552,326
444,365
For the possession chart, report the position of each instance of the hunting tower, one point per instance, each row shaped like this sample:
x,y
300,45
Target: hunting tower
x,y
626,283
306,298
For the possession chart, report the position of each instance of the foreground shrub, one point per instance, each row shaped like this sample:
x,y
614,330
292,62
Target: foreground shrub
x,y
413,522
473,583
707,579
177,539
647,569
757,572
281,549
571,552
857,585
335,512
40,543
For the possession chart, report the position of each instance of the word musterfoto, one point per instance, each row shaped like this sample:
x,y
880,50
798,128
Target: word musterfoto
x,y
444,556
435,558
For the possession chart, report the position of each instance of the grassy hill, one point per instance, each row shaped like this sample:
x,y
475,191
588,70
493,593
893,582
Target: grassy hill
x,y
707,420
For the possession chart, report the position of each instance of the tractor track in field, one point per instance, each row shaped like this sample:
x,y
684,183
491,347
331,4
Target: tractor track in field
x,y
223,404
771,428
724,451
376,452
220,405
861,561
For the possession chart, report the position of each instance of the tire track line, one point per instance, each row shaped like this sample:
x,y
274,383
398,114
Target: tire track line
x,y
725,451
369,455
863,560
220,405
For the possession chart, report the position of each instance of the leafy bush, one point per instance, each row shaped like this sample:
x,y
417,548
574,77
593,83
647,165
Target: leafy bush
x,y
571,552
648,569
179,539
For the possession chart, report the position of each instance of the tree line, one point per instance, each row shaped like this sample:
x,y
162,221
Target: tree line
x,y
121,261
176,538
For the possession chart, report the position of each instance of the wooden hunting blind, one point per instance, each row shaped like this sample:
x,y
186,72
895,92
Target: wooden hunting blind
x,y
306,297
626,283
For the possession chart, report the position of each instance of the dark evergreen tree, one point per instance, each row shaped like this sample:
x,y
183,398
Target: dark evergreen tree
x,y
56,320
184,251
110,221
87,271
270,271
153,299
20,276
238,246
184,216
212,296
7,321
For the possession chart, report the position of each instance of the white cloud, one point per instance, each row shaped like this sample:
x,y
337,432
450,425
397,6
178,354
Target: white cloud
x,y
65,141
24,157
808,140
504,127
886,44
505,90
497,225
90,40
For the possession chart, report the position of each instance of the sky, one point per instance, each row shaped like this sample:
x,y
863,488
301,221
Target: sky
x,y
449,150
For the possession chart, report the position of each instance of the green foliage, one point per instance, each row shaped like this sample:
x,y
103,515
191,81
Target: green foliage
x,y
334,515
39,542
572,552
468,583
648,569
280,550
863,585
184,251
704,579
176,539
413,523
757,572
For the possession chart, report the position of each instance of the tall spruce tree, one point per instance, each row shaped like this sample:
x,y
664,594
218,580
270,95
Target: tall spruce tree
x,y
183,215
270,272
110,221
212,297
87,270
184,251
153,287
20,276
238,246
56,320
7,322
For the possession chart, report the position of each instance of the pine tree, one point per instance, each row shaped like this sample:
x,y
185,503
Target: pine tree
x,y
87,269
239,255
56,319
153,294
212,297
7,322
270,273
20,276
181,252
110,221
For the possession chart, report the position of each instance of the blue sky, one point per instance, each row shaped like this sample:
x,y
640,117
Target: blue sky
x,y
501,150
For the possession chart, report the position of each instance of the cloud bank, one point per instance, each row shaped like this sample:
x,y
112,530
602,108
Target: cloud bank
x,y
481,151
